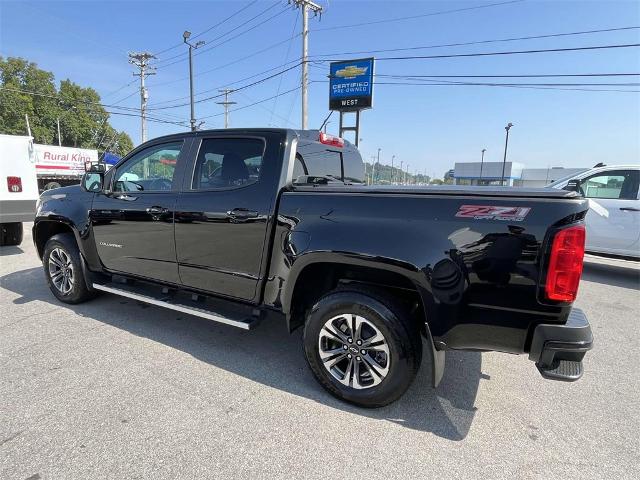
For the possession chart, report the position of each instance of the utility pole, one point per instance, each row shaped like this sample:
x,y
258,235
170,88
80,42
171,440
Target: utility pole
x,y
59,138
506,142
373,169
306,5
401,173
141,60
392,157
378,162
185,38
226,104
482,163
405,174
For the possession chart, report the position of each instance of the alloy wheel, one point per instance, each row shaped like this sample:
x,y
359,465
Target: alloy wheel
x,y
354,351
61,270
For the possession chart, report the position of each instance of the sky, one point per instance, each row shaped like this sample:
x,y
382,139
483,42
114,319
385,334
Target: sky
x,y
429,127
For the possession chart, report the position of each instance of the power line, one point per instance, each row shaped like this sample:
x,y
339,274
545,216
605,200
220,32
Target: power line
x,y
141,60
210,28
459,55
305,6
88,102
412,17
257,82
479,42
226,104
286,120
510,85
513,52
545,75
256,103
237,60
286,58
161,63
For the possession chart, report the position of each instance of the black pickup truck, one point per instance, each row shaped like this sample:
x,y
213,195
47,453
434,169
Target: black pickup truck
x,y
262,225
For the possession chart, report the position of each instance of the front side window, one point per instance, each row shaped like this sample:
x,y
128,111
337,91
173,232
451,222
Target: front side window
x,y
228,163
619,184
151,170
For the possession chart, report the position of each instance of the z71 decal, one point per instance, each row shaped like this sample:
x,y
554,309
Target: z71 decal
x,y
489,212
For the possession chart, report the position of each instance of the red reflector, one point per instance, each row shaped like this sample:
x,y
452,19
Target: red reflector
x,y
565,265
327,139
14,184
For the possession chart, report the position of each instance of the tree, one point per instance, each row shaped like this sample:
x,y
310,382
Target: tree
x,y
84,122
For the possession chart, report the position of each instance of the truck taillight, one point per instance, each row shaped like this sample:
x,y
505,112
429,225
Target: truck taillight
x,y
327,139
14,184
565,264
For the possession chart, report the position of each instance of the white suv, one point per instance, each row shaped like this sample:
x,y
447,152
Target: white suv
x,y
613,220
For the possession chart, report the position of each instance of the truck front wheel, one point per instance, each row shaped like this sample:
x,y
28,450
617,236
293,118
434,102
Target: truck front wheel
x,y
10,234
362,347
63,269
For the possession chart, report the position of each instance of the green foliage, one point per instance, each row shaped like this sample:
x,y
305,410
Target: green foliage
x,y
84,122
384,175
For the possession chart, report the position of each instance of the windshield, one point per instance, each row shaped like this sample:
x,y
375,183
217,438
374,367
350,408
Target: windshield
x,y
559,183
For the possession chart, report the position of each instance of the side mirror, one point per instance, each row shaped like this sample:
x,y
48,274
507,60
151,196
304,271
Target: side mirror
x,y
93,181
573,186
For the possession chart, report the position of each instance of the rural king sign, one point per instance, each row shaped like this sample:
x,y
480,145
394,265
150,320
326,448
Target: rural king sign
x,y
52,160
351,85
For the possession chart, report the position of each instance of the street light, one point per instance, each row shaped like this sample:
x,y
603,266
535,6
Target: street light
x,y
185,37
506,142
482,163
392,157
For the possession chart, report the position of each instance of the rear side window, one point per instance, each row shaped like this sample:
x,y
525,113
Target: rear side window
x,y
224,163
321,162
299,168
618,184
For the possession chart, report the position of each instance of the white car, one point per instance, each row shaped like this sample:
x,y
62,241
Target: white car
x,y
613,220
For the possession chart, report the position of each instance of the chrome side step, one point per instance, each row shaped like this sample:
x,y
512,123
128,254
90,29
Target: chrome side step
x,y
175,302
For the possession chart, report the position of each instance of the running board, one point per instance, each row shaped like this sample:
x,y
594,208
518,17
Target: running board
x,y
178,302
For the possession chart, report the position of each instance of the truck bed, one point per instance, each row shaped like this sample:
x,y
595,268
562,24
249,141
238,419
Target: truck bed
x,y
444,190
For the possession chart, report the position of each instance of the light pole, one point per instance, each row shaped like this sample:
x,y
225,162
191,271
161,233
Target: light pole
x,y
506,142
481,164
405,174
378,162
185,37
392,158
401,174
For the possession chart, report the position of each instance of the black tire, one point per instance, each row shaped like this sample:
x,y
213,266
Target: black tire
x,y
52,185
402,337
66,243
10,234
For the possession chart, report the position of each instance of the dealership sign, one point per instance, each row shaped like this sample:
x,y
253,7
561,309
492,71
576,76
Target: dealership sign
x,y
351,84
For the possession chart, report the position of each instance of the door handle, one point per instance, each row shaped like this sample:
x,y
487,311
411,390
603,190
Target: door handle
x,y
157,210
128,198
241,214
630,209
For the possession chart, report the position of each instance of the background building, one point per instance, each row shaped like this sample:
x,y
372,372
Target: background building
x,y
490,173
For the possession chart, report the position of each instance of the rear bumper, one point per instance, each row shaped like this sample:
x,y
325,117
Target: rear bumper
x,y
17,210
558,350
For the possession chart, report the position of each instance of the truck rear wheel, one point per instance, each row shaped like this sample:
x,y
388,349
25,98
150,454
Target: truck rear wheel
x,y
63,269
10,234
362,347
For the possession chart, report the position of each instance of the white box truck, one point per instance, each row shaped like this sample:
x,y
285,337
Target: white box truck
x,y
18,187
61,166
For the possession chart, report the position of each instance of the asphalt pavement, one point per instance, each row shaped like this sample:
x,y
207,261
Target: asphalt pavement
x,y
117,389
